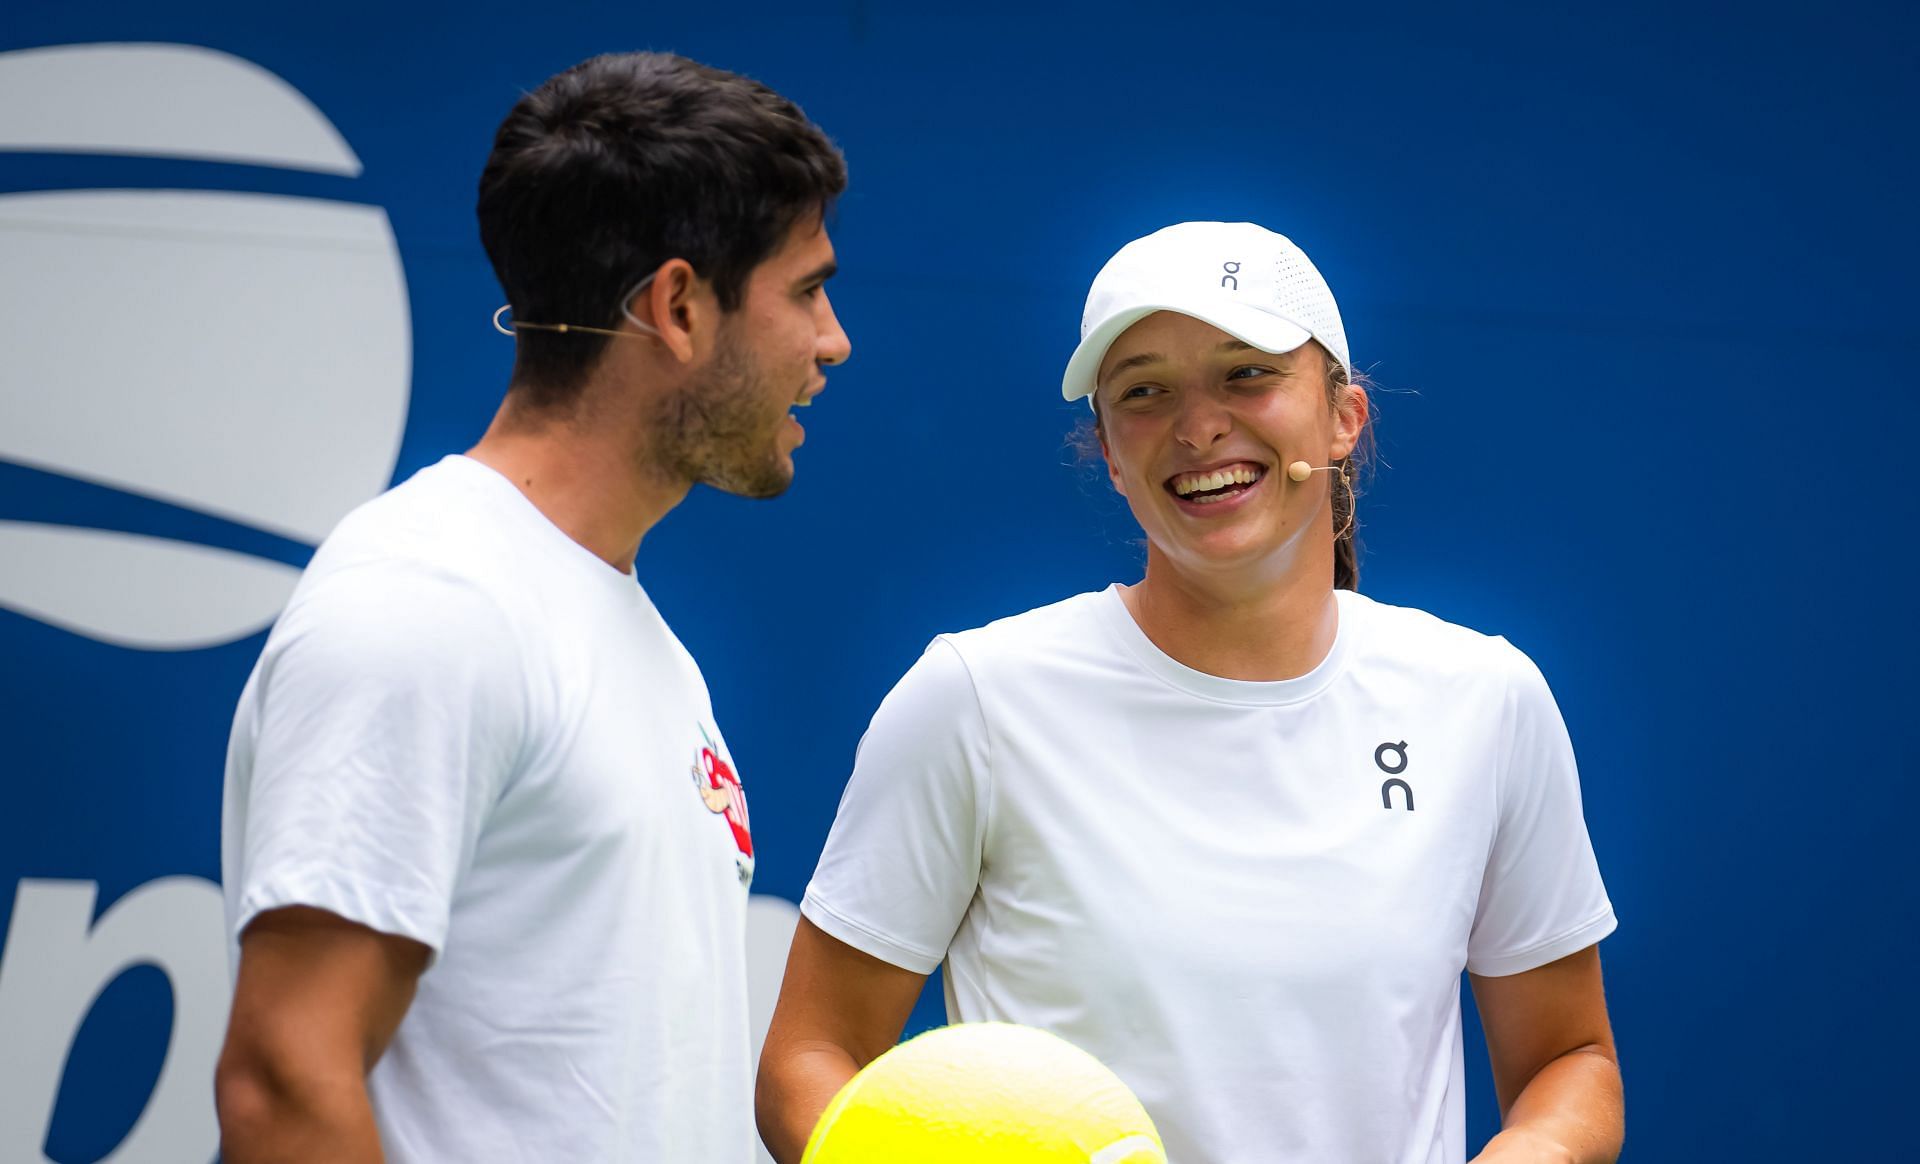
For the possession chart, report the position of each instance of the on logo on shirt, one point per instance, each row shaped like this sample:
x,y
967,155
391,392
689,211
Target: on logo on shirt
x,y
1392,759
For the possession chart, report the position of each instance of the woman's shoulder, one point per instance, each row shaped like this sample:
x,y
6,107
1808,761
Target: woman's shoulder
x,y
1071,626
1410,636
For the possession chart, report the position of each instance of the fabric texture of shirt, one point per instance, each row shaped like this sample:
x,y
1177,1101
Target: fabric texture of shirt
x,y
1252,900
468,730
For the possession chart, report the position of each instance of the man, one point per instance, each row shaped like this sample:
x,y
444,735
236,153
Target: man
x,y
486,854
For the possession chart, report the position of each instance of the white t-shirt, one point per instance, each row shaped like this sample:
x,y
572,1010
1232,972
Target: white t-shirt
x,y
1252,900
468,730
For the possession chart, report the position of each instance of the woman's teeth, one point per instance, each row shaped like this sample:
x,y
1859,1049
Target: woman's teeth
x,y
1215,485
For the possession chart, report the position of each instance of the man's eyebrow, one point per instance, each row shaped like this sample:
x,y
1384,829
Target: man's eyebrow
x,y
819,274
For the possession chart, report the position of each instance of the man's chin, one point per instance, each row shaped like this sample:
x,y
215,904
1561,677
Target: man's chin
x,y
767,481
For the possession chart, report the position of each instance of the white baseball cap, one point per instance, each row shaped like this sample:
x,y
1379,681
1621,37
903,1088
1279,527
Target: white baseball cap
x,y
1244,279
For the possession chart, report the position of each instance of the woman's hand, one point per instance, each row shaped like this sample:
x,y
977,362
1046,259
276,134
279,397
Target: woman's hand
x,y
1523,1146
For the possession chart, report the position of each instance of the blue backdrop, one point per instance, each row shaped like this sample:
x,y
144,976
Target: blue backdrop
x,y
1636,282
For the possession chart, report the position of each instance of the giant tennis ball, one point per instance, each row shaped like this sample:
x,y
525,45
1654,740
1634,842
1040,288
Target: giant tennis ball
x,y
985,1092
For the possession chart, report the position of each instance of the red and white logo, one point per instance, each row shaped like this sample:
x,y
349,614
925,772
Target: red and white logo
x,y
721,792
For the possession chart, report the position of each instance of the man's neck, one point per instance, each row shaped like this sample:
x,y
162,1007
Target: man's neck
x,y
1239,627
590,485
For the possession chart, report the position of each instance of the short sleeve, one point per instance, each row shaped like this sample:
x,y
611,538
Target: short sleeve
x,y
1542,897
903,859
388,716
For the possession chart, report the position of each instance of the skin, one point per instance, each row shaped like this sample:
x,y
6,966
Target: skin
x,y
1554,1066
1241,588
707,400
315,1004
839,1010
318,998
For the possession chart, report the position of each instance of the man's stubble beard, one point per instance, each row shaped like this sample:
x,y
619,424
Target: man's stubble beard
x,y
720,429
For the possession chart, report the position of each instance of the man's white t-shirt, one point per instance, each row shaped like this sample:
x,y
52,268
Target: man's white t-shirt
x,y
468,730
1252,900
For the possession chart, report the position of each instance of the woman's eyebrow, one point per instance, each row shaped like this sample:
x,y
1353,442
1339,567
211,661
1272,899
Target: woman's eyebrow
x,y
1135,362
1143,358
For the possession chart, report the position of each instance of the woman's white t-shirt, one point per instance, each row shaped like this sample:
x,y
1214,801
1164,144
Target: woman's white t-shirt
x,y
1252,900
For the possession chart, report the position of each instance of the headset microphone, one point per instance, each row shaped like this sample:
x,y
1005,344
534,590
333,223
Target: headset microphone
x,y
1300,470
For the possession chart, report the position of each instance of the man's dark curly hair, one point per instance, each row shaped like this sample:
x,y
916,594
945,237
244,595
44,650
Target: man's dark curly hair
x,y
624,162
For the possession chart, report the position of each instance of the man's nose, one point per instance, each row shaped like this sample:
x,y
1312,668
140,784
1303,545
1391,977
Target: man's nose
x,y
833,346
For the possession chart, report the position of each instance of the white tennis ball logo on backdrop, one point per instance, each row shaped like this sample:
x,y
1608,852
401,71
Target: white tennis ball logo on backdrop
x,y
242,355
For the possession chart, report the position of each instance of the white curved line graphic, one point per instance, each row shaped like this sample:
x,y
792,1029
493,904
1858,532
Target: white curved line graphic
x,y
136,591
164,100
246,355
1135,1149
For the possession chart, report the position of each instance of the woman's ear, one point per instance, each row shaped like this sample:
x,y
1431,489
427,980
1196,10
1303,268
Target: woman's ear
x,y
1350,412
1106,452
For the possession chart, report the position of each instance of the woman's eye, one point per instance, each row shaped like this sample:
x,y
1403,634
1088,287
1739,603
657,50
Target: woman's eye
x,y
1248,372
1137,391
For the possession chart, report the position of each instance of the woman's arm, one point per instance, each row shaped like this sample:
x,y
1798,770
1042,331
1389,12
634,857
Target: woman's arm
x,y
1553,1064
839,1010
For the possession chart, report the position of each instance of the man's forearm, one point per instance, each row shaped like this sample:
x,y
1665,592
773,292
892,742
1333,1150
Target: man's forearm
x,y
794,1088
1572,1105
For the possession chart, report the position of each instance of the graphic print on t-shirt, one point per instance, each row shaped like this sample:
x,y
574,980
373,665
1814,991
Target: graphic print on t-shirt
x,y
1391,758
721,792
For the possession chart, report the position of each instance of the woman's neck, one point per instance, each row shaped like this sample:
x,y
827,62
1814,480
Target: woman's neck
x,y
1273,629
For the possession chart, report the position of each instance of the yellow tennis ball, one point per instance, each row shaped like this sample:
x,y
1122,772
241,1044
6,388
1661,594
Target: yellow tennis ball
x,y
985,1092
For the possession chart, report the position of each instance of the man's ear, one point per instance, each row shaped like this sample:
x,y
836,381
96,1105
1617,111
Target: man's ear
x,y
681,308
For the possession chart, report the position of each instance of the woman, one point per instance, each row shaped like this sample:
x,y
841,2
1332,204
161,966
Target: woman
x,y
1235,829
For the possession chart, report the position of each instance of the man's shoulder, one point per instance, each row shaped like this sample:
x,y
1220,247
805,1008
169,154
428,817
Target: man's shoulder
x,y
419,556
446,522
432,510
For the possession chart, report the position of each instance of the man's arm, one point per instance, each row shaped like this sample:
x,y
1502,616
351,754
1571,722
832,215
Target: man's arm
x,y
839,1010
316,1002
1554,1066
